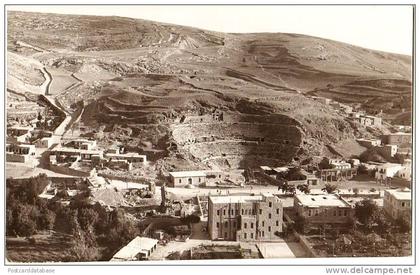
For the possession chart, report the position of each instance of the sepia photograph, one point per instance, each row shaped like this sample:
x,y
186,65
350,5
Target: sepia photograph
x,y
140,134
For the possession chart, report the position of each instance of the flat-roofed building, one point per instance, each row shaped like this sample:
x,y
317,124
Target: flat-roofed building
x,y
368,120
397,203
24,153
405,171
140,248
400,139
387,170
183,178
45,142
134,158
20,133
81,143
245,217
368,143
64,152
388,150
321,209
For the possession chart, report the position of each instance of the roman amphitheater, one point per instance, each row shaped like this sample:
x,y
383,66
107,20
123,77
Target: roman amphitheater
x,y
238,140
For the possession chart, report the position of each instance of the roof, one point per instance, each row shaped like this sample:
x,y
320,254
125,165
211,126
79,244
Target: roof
x,y
400,194
28,128
368,139
238,199
185,174
137,245
399,134
126,155
73,150
281,169
389,165
266,168
21,145
332,200
78,140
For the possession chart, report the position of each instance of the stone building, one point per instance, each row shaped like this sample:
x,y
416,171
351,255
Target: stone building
x,y
245,218
397,203
323,209
400,139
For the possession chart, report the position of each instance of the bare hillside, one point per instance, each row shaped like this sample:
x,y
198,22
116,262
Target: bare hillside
x,y
163,87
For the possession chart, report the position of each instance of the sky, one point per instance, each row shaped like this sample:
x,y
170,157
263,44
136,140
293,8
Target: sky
x,y
385,28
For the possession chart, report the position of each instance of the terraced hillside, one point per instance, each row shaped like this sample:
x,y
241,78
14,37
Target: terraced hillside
x,y
156,86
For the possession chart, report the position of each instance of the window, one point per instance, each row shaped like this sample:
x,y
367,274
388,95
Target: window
x,y
260,211
218,212
345,213
256,223
226,224
316,212
236,212
335,213
339,213
225,235
263,223
309,212
253,211
402,204
242,211
217,225
245,225
252,235
252,225
244,235
270,204
262,233
277,223
278,211
269,229
224,211
179,181
199,179
269,215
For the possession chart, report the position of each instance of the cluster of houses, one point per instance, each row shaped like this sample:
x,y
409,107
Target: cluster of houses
x,y
394,145
358,116
87,152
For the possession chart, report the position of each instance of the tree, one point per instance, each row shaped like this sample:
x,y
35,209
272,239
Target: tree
x,y
46,219
87,218
23,223
304,188
324,164
404,224
191,219
299,224
329,188
365,211
295,173
287,188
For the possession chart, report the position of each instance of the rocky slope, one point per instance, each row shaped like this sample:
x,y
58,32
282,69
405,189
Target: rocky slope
x,y
158,83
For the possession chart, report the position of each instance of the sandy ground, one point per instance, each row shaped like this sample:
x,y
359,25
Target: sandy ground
x,y
20,170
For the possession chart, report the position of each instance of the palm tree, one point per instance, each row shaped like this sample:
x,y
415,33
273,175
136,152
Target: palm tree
x,y
304,188
329,188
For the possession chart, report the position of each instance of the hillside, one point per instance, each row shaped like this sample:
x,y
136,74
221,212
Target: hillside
x,y
159,86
